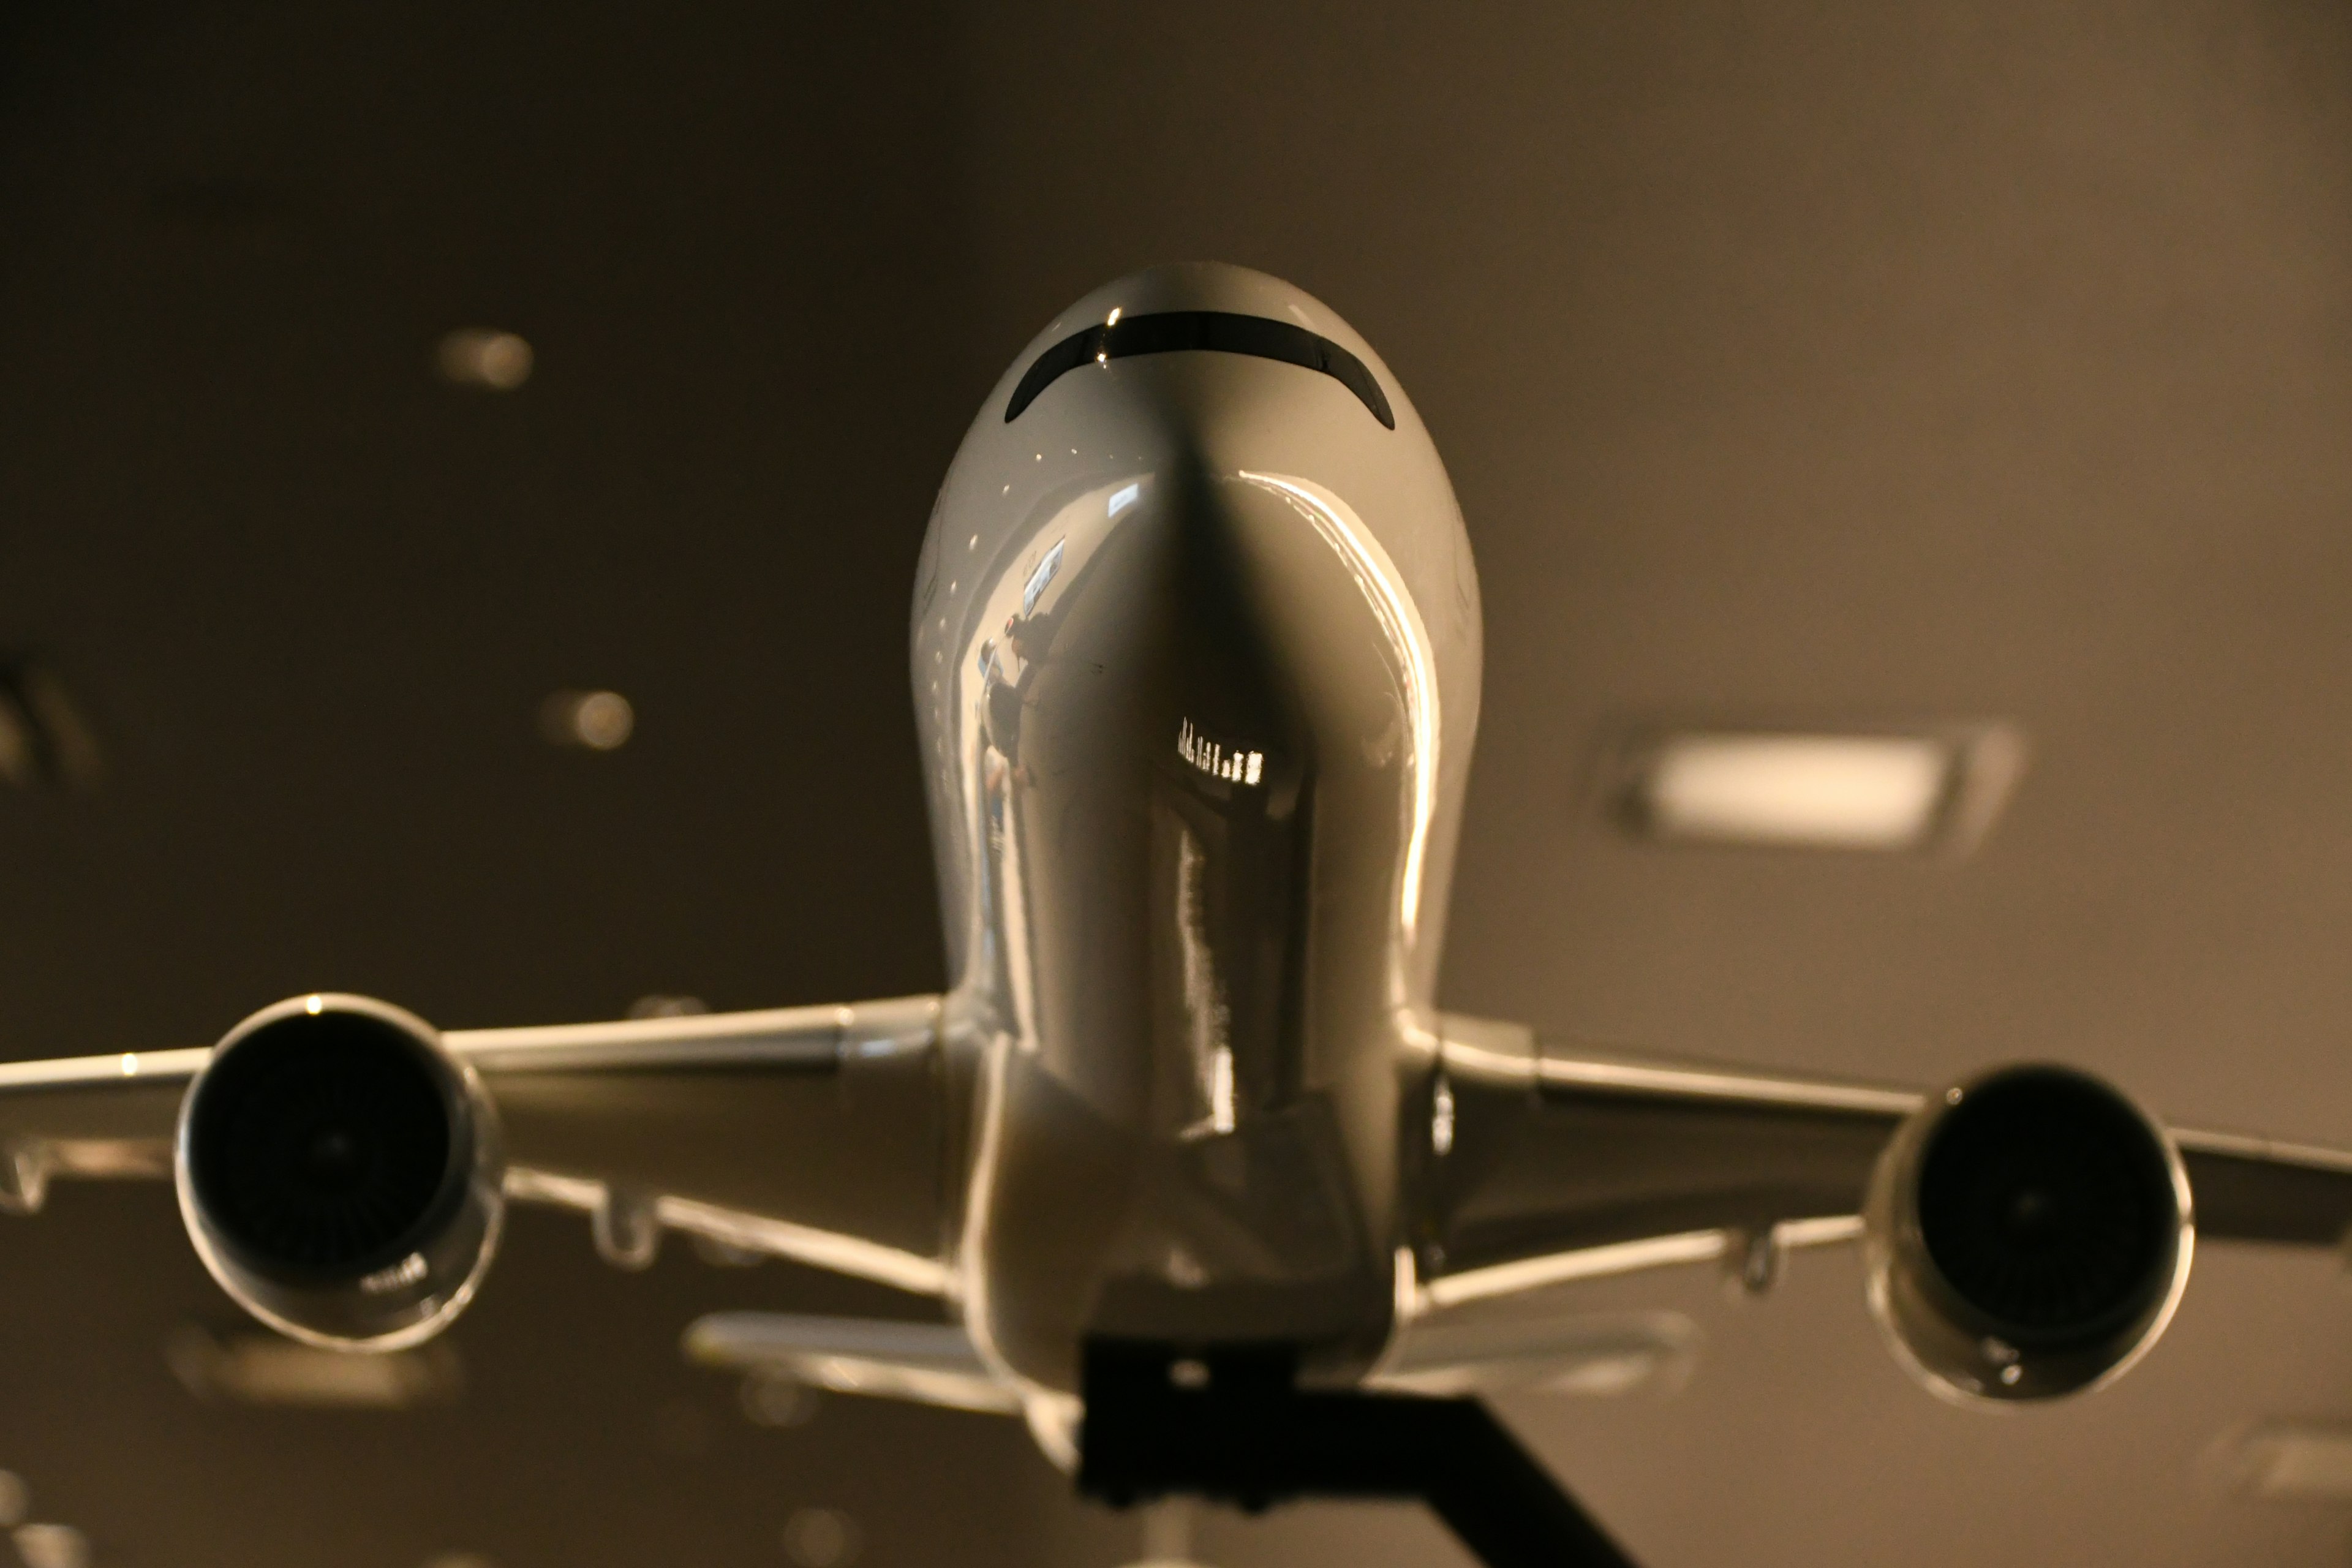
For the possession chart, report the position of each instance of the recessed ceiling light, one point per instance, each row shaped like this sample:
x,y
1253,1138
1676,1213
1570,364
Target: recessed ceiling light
x,y
45,740
1167,1533
1883,790
51,1546
822,1538
263,1369
599,720
2281,1462
662,1006
482,356
778,1401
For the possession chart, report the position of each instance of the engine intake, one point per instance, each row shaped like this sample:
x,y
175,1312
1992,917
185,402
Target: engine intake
x,y
2027,1235
341,1173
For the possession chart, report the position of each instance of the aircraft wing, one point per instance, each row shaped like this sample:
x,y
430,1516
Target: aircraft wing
x,y
1564,1163
817,1135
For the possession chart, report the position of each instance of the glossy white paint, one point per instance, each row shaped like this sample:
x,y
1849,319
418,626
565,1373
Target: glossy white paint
x,y
1196,666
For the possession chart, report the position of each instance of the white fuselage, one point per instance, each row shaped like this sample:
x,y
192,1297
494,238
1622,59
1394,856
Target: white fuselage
x,y
1196,664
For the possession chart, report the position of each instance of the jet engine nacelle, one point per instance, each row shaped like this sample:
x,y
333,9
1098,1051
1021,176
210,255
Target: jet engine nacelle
x,y
341,1173
2027,1235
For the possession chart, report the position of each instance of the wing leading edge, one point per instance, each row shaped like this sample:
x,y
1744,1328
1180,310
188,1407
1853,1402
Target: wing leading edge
x,y
1563,1164
817,1135
825,1135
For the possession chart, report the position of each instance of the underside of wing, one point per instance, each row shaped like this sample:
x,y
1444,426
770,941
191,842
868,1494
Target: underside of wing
x,y
89,1117
2026,1234
344,1169
2256,1189
814,1133
1562,1165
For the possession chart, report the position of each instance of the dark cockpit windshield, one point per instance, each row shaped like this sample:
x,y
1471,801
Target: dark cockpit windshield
x,y
1218,332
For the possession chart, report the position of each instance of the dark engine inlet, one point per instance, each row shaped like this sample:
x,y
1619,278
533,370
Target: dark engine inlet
x,y
340,1172
2028,1235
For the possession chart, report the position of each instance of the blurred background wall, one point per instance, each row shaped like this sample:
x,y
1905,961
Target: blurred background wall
x,y
1988,361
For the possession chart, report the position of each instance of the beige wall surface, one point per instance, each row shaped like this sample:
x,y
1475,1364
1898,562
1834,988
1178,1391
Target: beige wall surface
x,y
1829,364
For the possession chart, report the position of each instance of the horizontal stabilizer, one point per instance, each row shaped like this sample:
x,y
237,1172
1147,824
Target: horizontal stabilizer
x,y
930,1364
1598,1354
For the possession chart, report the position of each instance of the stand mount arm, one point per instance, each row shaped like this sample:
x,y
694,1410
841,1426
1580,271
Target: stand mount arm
x,y
1235,1429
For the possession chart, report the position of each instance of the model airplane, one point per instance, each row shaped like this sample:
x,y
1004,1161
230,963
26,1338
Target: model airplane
x,y
1196,671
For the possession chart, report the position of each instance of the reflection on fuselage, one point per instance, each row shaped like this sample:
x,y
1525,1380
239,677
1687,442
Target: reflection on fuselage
x,y
1182,711
1218,760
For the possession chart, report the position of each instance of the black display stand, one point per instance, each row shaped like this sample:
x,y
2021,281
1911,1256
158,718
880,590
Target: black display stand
x,y
1235,1429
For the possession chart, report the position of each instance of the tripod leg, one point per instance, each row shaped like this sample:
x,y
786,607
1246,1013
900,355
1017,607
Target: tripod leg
x,y
1504,1505
1246,1435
